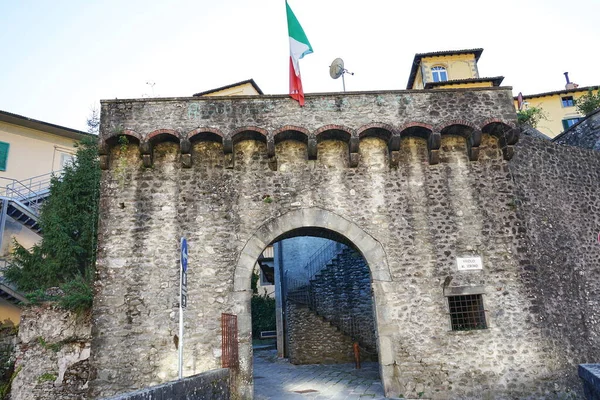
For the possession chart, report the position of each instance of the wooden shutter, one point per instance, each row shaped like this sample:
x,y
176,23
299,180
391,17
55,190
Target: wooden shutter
x,y
3,155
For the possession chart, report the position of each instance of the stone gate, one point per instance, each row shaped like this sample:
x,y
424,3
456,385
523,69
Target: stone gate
x,y
413,179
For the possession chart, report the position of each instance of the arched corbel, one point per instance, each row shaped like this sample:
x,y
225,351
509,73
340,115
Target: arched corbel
x,y
473,145
103,152
312,148
146,152
185,147
433,146
228,152
271,152
507,141
353,146
394,148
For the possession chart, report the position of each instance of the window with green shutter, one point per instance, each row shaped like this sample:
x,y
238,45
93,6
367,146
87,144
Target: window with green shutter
x,y
3,155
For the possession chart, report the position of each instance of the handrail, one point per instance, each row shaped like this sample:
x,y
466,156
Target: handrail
x,y
321,257
30,191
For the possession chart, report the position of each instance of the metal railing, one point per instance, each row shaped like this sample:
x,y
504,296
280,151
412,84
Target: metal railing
x,y
30,192
308,291
229,341
322,257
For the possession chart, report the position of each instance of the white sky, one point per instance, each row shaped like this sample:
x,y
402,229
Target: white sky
x,y
59,58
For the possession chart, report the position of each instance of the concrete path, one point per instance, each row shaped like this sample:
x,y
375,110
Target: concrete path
x,y
279,380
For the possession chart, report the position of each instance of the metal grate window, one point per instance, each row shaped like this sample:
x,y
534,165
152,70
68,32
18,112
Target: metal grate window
x,y
466,312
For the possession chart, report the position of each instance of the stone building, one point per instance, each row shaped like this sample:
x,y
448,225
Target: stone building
x,y
482,248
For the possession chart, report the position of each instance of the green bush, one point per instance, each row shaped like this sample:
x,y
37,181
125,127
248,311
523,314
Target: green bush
x,y
263,314
589,102
531,116
66,255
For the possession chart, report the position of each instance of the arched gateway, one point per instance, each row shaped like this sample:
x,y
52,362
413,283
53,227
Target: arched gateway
x,y
418,182
274,229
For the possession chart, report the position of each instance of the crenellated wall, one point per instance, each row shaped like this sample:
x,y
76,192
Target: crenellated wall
x,y
412,179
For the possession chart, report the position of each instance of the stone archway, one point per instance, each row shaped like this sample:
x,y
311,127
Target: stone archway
x,y
371,250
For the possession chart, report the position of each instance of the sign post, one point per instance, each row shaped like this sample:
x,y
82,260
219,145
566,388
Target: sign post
x,y
183,264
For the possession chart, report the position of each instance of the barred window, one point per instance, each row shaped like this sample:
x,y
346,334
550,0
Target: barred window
x,y
466,312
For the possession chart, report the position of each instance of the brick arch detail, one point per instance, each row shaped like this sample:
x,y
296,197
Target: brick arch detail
x,y
168,132
375,125
292,128
199,131
334,127
415,124
263,132
489,121
125,132
463,122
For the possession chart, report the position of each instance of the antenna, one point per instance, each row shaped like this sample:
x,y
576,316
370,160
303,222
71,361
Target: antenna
x,y
151,84
336,69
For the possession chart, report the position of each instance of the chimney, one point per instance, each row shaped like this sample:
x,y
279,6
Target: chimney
x,y
569,84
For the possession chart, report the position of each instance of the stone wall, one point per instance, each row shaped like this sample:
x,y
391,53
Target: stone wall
x,y
314,340
413,180
339,299
584,134
557,197
52,355
341,293
212,385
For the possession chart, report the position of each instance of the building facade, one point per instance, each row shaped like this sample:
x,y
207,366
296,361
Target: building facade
x,y
449,69
31,152
473,289
558,107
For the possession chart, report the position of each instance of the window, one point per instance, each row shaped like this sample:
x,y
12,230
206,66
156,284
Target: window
x,y
267,274
3,155
439,74
466,312
569,122
567,101
66,159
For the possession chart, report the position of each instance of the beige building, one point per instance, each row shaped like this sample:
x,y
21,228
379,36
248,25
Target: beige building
x,y
243,88
558,106
448,69
30,152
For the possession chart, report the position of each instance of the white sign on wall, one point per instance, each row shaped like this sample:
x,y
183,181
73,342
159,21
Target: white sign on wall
x,y
469,263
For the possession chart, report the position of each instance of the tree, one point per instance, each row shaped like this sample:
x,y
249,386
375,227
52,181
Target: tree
x,y
93,120
66,255
531,116
588,103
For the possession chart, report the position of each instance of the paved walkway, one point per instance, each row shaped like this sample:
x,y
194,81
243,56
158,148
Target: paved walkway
x,y
278,379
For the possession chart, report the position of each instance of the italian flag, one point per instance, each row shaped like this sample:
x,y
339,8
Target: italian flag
x,y
299,47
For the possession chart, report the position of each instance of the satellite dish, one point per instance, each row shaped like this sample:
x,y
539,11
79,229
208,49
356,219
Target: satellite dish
x,y
336,69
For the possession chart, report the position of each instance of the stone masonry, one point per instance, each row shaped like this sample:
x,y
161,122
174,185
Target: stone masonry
x,y
584,134
412,179
334,310
342,294
314,340
52,355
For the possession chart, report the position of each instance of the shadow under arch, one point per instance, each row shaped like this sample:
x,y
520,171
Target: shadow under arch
x,y
278,228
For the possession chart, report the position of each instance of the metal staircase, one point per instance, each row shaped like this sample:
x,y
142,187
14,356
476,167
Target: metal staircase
x,y
21,200
303,292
